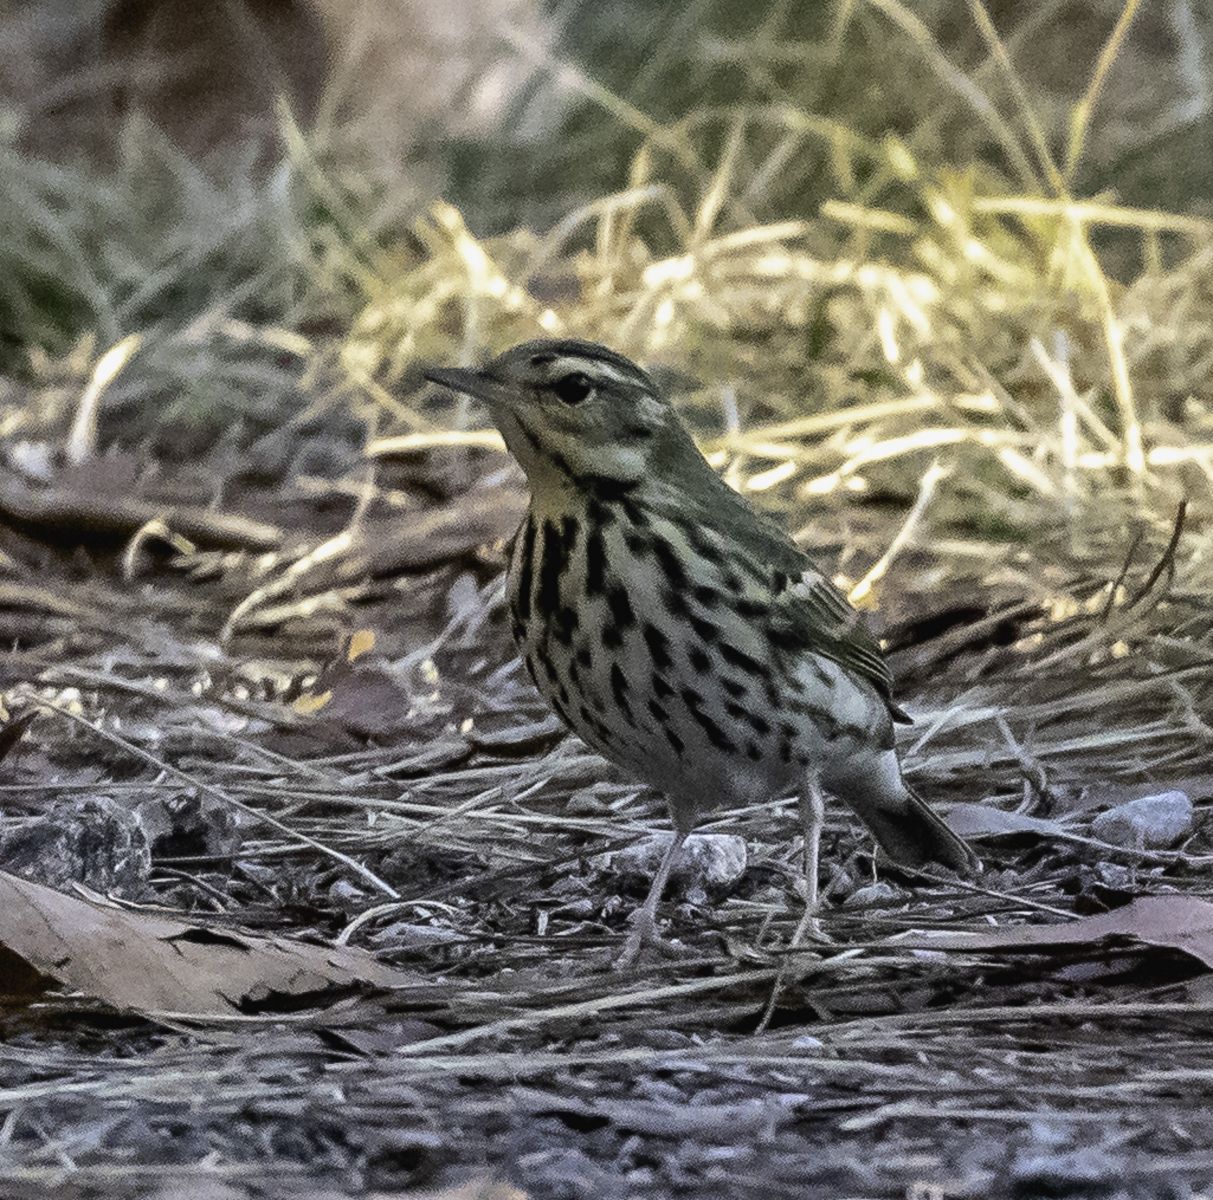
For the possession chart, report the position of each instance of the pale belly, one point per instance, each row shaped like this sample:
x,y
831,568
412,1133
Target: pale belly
x,y
662,666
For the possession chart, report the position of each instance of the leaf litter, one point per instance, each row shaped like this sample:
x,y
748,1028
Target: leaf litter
x,y
477,986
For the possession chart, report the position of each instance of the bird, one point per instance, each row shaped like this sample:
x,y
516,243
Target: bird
x,y
679,631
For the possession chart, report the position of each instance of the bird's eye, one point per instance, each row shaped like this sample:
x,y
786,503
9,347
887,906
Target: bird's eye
x,y
574,388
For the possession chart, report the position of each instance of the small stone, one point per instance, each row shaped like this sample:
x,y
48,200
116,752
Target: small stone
x,y
807,1041
345,893
713,862
1147,823
841,882
92,840
1114,875
403,935
872,895
35,460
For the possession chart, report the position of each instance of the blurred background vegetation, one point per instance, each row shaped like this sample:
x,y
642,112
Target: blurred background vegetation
x,y
967,225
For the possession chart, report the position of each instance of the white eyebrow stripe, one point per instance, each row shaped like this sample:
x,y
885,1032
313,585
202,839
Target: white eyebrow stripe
x,y
594,368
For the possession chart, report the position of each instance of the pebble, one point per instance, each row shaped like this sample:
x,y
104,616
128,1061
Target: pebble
x,y
1147,823
713,862
872,894
807,1041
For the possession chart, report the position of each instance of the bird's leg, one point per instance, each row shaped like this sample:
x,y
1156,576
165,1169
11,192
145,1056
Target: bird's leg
x,y
812,817
644,920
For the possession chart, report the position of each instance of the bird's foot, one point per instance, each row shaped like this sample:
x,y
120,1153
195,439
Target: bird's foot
x,y
644,938
809,929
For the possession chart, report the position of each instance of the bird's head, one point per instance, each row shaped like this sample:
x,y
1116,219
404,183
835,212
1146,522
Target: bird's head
x,y
572,411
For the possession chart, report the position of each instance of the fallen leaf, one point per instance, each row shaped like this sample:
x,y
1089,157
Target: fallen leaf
x,y
366,701
156,965
362,641
311,702
386,1036
1183,923
984,821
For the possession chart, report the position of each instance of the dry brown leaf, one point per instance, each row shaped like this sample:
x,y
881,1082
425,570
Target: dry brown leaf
x,y
156,965
311,703
1183,923
985,821
365,700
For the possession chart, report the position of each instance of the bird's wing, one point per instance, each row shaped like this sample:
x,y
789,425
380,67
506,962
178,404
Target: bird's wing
x,y
810,613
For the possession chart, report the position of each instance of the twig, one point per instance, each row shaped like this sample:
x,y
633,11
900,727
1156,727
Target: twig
x,y
82,440
931,478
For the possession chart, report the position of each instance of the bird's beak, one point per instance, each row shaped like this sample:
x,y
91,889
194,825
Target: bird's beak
x,y
473,383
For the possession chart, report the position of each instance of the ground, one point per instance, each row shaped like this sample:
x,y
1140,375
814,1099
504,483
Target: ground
x,y
517,1057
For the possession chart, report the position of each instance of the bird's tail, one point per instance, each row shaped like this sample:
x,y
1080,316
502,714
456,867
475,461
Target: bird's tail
x,y
905,825
917,836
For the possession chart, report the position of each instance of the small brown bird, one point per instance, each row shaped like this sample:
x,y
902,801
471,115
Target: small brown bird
x,y
677,630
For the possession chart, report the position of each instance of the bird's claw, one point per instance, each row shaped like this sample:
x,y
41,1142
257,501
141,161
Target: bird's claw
x,y
644,936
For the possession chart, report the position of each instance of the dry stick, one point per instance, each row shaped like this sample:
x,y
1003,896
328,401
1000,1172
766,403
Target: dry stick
x,y
155,529
926,491
1090,212
966,885
1166,562
380,910
1003,1014
1030,769
584,1008
1122,386
102,516
210,790
1122,575
82,440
